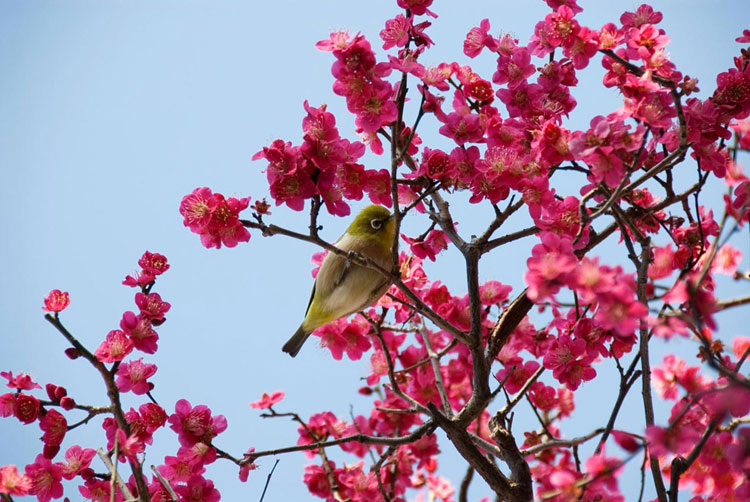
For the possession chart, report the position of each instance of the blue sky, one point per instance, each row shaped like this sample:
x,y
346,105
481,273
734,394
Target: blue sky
x,y
111,111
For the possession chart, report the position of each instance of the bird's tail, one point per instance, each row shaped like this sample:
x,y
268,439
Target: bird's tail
x,y
295,343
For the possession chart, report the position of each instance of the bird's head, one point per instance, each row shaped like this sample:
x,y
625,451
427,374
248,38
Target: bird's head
x,y
373,222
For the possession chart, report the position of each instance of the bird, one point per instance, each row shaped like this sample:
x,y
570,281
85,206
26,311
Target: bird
x,y
343,287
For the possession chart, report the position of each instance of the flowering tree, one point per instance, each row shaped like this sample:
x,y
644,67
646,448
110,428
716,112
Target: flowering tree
x,y
463,362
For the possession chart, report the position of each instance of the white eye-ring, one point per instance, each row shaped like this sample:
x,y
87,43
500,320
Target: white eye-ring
x,y
376,224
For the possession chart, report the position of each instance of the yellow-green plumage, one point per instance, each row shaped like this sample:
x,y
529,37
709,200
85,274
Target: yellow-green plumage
x,y
343,287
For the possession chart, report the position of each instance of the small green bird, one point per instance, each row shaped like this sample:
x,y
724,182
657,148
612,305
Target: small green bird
x,y
342,287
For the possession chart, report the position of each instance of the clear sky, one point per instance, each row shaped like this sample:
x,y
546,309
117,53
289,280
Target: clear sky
x,y
111,111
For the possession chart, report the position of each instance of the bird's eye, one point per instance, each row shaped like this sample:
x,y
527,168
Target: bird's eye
x,y
376,224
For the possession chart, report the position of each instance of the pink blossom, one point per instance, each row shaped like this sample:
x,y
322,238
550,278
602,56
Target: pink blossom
x,y
7,405
571,4
13,484
478,38
78,460
741,201
45,479
516,374
494,292
316,479
266,401
99,490
604,470
435,242
396,32
195,424
151,305
56,301
568,361
551,263
745,38
196,489
740,345
26,408
417,7
140,331
21,381
214,217
114,348
133,375
342,336
627,442
514,70
645,14
153,263
55,426
377,184
726,260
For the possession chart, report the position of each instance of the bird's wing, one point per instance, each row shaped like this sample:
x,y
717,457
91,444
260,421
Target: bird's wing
x,y
312,295
332,273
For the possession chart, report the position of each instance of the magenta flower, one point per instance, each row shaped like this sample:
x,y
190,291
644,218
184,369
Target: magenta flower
x,y
114,348
56,301
266,401
22,381
569,362
55,426
26,408
13,484
45,479
78,460
133,375
195,424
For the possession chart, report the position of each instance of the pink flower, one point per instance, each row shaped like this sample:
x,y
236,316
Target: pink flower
x,y
741,201
133,375
551,263
114,348
7,405
343,336
151,305
45,479
494,292
316,480
396,32
153,263
745,38
98,490
22,381
56,301
196,424
627,442
435,242
645,14
377,184
726,260
141,332
181,468
266,401
55,426
569,362
13,484
604,469
198,489
479,38
78,460
519,374
214,217
417,7
26,408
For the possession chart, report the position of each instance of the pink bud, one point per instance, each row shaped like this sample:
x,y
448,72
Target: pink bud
x,y
67,403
